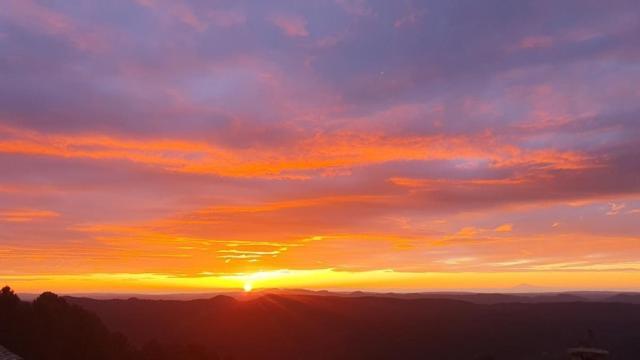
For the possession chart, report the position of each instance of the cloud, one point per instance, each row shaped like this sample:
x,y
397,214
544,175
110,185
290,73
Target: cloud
x,y
504,228
410,19
290,24
327,151
26,215
535,42
332,40
33,16
227,18
467,232
183,12
179,10
614,209
356,7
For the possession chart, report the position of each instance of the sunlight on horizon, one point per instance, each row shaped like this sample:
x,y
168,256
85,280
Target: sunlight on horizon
x,y
205,144
328,279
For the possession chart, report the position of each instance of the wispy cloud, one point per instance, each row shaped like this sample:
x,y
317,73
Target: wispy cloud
x,y
504,228
26,215
411,18
33,16
614,209
182,12
290,24
535,42
356,7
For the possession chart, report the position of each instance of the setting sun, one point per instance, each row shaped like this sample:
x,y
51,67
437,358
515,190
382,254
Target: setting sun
x,y
247,287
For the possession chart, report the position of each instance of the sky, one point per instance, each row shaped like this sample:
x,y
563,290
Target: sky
x,y
182,145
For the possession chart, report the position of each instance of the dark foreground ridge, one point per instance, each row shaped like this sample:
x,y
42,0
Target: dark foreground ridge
x,y
300,326
50,328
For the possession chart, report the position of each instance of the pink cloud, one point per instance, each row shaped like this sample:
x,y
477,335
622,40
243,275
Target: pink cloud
x,y
227,18
535,42
31,15
331,41
291,25
177,10
504,228
182,12
412,18
355,7
615,208
25,215
187,16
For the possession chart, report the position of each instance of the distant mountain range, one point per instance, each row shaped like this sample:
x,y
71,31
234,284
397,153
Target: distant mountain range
x,y
298,324
522,293
301,324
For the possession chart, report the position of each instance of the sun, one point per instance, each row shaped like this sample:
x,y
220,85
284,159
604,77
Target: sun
x,y
247,287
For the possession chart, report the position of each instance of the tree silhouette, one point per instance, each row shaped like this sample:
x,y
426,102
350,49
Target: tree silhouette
x,y
52,329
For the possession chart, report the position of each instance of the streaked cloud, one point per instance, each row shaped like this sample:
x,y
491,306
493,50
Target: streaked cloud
x,y
614,209
504,228
290,24
33,16
26,215
227,18
534,42
411,18
356,7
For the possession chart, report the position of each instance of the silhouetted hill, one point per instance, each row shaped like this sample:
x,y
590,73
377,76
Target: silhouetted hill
x,y
50,328
488,298
480,298
625,298
302,326
374,327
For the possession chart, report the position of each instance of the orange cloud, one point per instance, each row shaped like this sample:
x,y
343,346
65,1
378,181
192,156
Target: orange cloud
x,y
434,183
504,228
25,215
317,152
290,204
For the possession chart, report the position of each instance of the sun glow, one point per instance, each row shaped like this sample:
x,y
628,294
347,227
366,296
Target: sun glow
x,y
329,279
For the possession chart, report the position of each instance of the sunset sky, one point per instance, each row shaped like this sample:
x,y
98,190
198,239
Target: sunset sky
x,y
186,145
